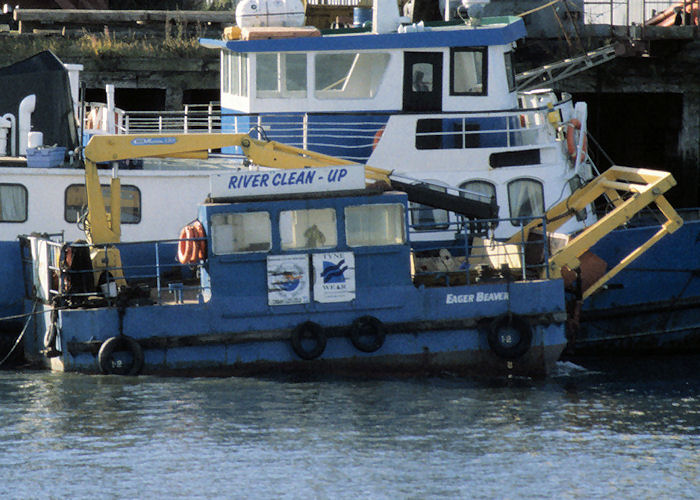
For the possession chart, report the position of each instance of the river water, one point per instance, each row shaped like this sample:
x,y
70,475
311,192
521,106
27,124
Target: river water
x,y
622,429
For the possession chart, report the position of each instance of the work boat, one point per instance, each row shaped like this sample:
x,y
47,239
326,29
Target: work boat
x,y
305,270
313,269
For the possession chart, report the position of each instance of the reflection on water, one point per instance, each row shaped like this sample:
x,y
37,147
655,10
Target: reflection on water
x,y
600,432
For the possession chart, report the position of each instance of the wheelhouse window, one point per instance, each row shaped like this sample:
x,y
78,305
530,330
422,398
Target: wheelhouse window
x,y
234,73
468,71
241,232
525,199
280,75
308,229
422,77
375,225
13,203
482,191
76,202
510,71
425,218
349,75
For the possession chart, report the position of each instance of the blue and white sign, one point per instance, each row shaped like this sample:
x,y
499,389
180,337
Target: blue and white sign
x,y
288,279
153,141
334,276
241,183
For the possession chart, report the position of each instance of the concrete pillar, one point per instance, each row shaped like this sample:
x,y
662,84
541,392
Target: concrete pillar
x,y
173,99
689,147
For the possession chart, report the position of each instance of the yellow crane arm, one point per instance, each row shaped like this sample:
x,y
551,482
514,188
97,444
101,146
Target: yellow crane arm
x,y
105,228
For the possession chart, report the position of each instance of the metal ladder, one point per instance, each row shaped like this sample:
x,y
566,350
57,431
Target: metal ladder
x,y
550,73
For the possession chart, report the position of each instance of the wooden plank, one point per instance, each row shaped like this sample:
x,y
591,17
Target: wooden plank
x,y
79,16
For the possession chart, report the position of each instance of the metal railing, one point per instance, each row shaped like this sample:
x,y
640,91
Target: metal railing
x,y
638,12
351,136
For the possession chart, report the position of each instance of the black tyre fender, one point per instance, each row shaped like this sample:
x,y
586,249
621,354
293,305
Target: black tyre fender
x,y
509,336
121,343
367,333
305,331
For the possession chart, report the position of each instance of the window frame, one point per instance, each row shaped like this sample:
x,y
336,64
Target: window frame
x,y
510,201
26,203
105,195
402,219
484,70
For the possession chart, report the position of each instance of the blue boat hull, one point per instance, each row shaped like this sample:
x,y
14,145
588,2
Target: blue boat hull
x,y
653,306
425,333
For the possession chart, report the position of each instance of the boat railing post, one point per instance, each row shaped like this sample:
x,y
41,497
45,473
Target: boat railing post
x,y
158,284
305,131
160,124
545,246
126,123
186,118
209,118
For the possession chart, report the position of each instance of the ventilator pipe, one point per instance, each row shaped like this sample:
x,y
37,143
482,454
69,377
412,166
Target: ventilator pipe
x,y
385,16
108,118
26,108
8,120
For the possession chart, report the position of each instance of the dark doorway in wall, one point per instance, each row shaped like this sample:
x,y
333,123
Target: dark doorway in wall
x,y
639,130
130,99
200,96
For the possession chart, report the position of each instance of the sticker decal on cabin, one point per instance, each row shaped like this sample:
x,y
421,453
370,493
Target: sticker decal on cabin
x,y
288,279
334,276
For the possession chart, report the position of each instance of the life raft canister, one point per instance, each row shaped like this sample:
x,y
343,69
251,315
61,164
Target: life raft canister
x,y
192,246
571,146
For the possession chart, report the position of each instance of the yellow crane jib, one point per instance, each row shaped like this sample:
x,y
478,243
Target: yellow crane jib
x,y
629,190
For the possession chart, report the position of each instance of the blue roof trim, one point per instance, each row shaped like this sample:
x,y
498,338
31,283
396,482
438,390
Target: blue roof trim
x,y
443,38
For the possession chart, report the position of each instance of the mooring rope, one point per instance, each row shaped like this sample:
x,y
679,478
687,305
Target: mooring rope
x,y
21,335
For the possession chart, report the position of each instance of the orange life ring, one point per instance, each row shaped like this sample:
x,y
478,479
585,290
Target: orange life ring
x,y
184,246
200,245
377,137
192,245
575,124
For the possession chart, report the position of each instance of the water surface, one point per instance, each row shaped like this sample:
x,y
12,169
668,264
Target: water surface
x,y
627,430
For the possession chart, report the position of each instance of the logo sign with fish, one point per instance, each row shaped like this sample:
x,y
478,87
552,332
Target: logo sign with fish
x,y
288,279
334,276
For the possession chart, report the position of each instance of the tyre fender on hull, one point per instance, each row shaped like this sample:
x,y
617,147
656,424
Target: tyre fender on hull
x,y
122,343
308,340
367,333
509,336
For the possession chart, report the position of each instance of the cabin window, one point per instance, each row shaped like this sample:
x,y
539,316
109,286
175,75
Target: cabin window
x,y
13,203
468,71
349,75
234,74
482,191
241,232
76,202
280,75
375,225
422,77
425,218
307,229
510,71
525,199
